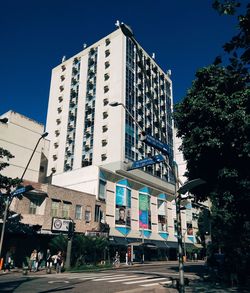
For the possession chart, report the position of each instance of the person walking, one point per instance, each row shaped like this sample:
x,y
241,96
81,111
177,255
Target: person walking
x,y
8,261
59,262
33,261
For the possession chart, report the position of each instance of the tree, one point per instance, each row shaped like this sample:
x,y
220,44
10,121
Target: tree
x,y
6,183
213,121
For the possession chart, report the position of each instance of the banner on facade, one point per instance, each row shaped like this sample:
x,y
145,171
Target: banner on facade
x,y
60,225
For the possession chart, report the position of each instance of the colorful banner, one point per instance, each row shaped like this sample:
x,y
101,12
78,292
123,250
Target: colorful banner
x,y
143,219
120,196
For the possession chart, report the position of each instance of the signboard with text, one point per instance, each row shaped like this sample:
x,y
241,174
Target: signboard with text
x,y
60,225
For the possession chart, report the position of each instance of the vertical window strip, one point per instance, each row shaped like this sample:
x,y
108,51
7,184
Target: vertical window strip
x,y
72,115
88,135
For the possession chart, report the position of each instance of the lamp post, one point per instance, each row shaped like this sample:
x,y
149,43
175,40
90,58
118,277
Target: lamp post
x,y
10,196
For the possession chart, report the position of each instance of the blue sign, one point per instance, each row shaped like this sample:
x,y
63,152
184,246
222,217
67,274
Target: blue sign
x,y
146,162
157,144
22,190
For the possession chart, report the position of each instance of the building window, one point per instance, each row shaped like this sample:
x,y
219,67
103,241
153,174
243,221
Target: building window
x,y
107,41
103,157
88,215
78,213
102,189
97,213
107,64
54,208
65,210
33,206
106,89
104,142
104,128
175,226
107,53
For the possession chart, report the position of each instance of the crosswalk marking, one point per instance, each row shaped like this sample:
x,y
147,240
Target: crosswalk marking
x,y
155,284
126,278
108,278
142,281
122,278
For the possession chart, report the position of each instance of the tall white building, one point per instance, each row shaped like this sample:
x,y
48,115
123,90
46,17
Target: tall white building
x,y
91,142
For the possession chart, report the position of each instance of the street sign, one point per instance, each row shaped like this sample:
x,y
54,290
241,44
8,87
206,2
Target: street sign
x,y
146,162
22,190
157,144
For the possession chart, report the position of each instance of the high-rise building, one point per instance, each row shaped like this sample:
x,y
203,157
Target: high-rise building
x,y
92,143
85,131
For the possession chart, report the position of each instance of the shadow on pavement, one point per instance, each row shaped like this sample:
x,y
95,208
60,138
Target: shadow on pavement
x,y
199,269
11,285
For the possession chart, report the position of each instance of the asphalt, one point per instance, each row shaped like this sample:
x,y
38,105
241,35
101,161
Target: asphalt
x,y
196,284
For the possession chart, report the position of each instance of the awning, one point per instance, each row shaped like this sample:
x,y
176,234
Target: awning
x,y
172,244
160,244
118,241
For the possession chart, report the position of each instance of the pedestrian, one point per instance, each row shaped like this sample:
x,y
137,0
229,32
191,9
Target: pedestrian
x,y
8,261
195,257
48,259
33,261
39,259
126,258
59,262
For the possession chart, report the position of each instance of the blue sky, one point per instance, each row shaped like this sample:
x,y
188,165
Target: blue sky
x,y
184,34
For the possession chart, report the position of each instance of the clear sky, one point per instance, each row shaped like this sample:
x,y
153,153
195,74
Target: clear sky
x,y
34,35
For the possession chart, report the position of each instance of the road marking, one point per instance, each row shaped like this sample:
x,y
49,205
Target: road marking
x,y
126,278
108,278
52,282
141,281
155,284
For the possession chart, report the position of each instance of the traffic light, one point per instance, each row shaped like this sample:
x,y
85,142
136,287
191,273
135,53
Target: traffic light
x,y
71,229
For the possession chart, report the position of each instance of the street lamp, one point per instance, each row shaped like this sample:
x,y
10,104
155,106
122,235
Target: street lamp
x,y
11,195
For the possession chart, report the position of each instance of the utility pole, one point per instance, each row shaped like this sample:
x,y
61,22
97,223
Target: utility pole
x,y
71,231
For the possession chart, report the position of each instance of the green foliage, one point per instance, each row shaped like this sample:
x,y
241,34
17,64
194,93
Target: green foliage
x,y
213,121
6,183
58,243
85,249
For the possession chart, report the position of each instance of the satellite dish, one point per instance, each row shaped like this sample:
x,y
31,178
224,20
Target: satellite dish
x,y
63,58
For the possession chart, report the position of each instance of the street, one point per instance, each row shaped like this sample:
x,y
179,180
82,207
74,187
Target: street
x,y
138,278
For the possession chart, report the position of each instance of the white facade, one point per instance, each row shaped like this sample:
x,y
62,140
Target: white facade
x,y
19,136
91,142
